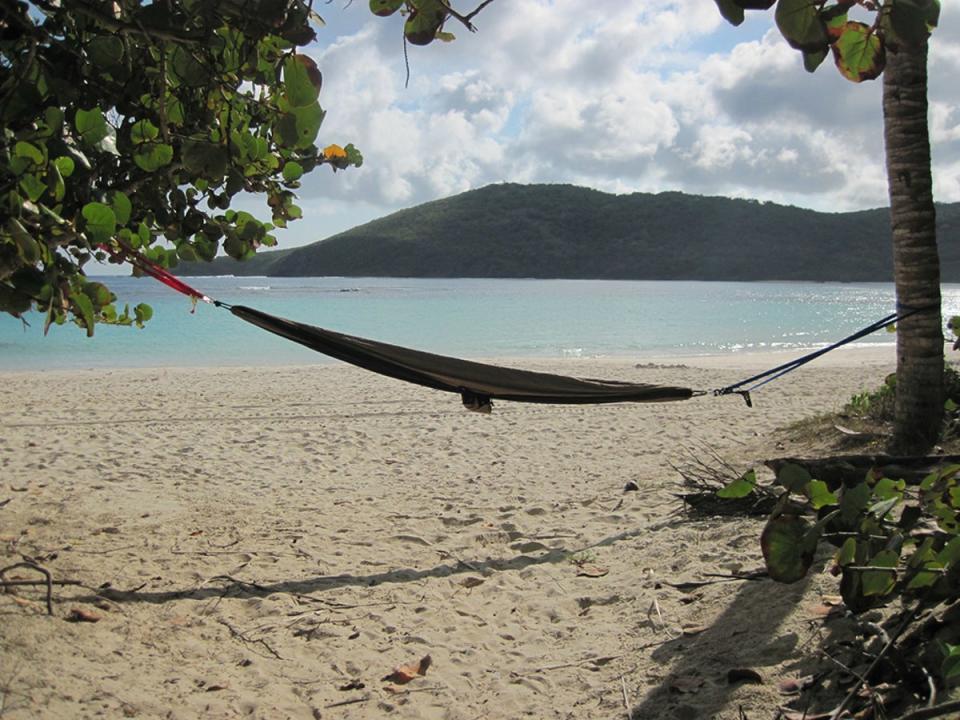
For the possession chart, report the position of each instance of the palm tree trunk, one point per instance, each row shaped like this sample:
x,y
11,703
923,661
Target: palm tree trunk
x,y
919,396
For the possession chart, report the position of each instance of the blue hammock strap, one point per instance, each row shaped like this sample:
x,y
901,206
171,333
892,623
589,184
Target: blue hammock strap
x,y
761,379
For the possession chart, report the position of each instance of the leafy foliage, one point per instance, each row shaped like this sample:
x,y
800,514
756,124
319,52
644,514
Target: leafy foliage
x,y
131,126
819,27
893,541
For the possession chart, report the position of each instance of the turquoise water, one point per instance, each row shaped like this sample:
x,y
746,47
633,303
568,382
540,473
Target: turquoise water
x,y
464,317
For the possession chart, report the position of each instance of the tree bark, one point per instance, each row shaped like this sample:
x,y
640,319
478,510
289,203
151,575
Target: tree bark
x,y
919,398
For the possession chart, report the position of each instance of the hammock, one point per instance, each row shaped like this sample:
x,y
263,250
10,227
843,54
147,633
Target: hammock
x,y
479,383
476,383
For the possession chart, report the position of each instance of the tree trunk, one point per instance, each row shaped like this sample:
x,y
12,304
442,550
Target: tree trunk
x,y
919,392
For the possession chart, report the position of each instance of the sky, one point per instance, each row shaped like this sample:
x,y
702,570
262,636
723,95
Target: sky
x,y
625,96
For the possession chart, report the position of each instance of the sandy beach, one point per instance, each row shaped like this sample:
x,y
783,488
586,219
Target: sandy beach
x,y
294,535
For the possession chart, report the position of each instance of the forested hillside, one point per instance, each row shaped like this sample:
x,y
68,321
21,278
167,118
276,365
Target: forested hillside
x,y
562,231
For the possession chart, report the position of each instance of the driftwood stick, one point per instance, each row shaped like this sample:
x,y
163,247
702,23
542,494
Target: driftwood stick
x,y
851,469
42,570
932,712
862,679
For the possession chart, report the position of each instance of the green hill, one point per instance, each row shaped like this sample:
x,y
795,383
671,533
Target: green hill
x,y
562,231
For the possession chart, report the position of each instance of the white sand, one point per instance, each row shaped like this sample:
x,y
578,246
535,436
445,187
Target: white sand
x,y
296,533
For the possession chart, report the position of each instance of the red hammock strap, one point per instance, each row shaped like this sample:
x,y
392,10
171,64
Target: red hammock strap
x,y
148,267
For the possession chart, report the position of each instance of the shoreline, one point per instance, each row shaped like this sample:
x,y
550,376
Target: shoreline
x,y
864,353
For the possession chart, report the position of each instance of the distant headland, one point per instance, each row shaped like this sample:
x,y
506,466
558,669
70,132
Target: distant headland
x,y
563,231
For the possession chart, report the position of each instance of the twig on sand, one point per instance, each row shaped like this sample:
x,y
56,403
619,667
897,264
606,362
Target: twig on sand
x,y
249,641
626,698
351,701
655,606
598,661
37,568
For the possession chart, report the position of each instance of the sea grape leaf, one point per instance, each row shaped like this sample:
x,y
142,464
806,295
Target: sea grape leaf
x,y
121,206
859,52
154,156
853,501
292,171
800,23
950,668
106,51
787,555
819,494
755,4
385,8
879,582
205,159
143,131
422,25
29,151
100,222
83,306
299,128
27,247
91,124
301,80
65,165
793,477
739,488
33,186
730,11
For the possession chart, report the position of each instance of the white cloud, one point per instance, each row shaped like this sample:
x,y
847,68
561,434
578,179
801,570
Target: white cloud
x,y
628,96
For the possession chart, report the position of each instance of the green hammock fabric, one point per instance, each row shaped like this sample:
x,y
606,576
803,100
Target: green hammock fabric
x,y
476,383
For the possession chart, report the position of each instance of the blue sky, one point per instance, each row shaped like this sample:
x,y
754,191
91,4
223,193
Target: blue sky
x,y
645,95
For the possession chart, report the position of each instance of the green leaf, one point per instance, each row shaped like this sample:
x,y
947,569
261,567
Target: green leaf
x,y
385,8
301,80
423,24
859,52
353,155
100,222
55,183
880,582
142,313
65,165
32,186
786,554
800,23
205,159
121,206
153,157
950,554
28,249
292,171
950,668
886,489
793,477
739,488
949,405
819,494
299,128
848,552
143,131
812,60
91,125
29,151
853,501
83,307
98,293
106,51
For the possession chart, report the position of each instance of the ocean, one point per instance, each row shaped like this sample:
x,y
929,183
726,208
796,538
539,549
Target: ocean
x,y
473,318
